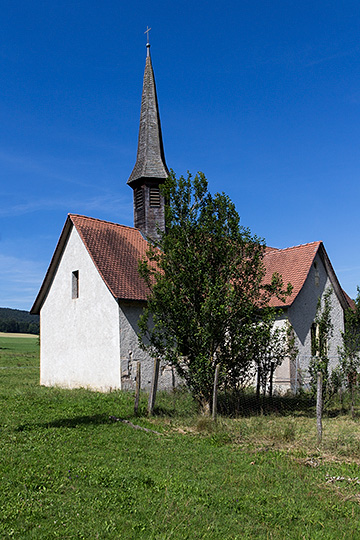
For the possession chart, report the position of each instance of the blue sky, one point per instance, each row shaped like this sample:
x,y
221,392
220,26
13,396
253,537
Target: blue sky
x,y
262,96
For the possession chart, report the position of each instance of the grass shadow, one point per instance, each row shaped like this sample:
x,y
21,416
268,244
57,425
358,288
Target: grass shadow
x,y
246,404
96,419
165,411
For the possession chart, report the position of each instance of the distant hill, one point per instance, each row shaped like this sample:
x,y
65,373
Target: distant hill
x,y
18,321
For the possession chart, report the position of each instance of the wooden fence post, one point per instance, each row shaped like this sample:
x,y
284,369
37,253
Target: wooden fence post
x,y
319,406
137,386
214,402
154,384
272,369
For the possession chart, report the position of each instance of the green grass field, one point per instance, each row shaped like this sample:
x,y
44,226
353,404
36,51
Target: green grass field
x,y
69,471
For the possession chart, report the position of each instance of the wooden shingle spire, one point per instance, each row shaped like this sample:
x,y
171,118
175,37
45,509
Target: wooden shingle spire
x,y
150,169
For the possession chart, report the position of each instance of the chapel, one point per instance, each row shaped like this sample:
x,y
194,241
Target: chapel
x,y
92,295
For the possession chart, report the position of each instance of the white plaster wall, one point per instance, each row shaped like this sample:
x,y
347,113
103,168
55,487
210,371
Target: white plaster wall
x,y
301,316
131,353
282,375
79,337
337,318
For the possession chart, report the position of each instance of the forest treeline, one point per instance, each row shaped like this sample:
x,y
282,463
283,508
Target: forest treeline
x,y
18,321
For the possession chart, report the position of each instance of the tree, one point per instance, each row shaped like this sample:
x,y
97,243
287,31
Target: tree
x,y
273,345
205,278
321,332
350,350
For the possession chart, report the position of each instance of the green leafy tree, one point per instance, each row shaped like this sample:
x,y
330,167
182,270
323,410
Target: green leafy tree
x,y
16,320
350,350
322,330
205,278
274,344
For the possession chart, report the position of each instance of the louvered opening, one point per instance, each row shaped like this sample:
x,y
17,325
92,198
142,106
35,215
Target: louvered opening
x,y
154,197
139,198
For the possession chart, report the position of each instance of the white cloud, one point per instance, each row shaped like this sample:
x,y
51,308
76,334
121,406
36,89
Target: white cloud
x,y
20,280
46,167
348,269
102,203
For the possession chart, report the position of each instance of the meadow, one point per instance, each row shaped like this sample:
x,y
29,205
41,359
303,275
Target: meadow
x,y
70,470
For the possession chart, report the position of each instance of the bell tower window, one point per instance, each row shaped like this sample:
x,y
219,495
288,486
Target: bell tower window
x,y
139,198
155,197
150,170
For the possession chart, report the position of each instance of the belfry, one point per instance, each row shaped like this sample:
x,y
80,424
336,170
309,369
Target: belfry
x,y
150,169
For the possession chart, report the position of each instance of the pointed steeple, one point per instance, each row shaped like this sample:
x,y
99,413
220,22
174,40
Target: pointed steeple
x,y
150,160
150,169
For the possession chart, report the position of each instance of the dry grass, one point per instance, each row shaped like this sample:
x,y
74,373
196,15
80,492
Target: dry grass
x,y
292,435
13,335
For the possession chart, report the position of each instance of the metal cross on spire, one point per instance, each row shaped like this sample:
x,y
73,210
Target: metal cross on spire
x,y
148,41
147,32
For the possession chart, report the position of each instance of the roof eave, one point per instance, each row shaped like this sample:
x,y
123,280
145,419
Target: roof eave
x,y
53,266
290,300
139,301
333,278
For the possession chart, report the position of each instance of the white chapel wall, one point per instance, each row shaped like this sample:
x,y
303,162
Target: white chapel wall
x,y
301,316
282,376
131,353
79,336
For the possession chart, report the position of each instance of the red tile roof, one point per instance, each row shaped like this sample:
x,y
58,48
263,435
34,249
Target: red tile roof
x,y
115,251
293,264
350,301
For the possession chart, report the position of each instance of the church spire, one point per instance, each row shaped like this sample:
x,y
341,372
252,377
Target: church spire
x,y
150,169
150,160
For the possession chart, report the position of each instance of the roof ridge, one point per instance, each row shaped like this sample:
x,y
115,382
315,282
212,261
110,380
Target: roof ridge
x,y
277,250
104,221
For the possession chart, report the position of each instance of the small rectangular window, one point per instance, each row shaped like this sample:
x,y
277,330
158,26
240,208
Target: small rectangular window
x,y
75,284
317,275
313,339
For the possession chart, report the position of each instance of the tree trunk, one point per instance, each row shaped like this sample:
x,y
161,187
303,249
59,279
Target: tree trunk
x,y
205,407
272,369
341,399
352,399
137,387
152,396
263,400
258,387
214,402
319,407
